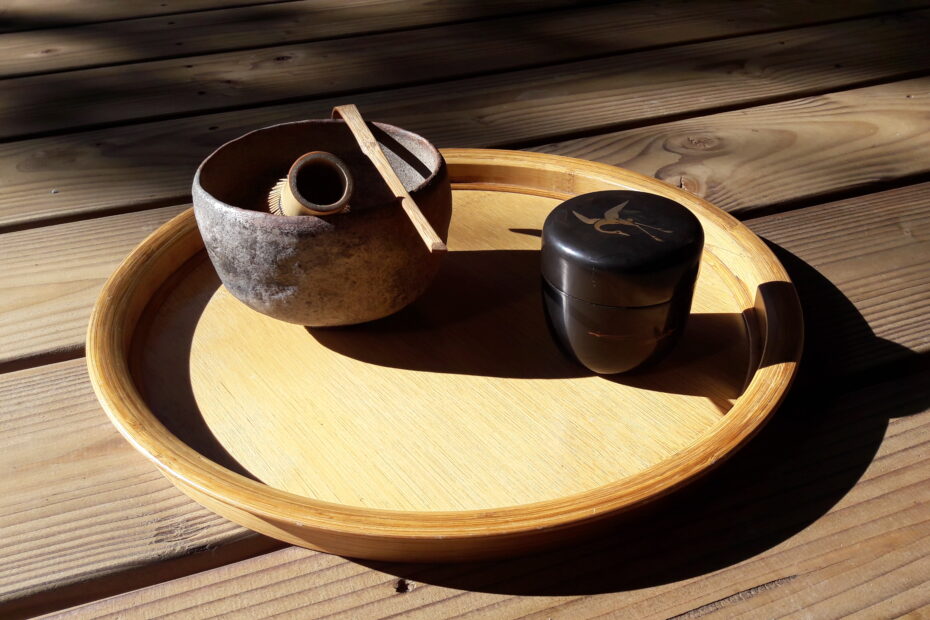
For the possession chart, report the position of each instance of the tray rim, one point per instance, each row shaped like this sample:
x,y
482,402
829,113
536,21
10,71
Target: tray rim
x,y
119,306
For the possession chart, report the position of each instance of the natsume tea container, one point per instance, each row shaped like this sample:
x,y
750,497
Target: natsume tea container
x,y
618,271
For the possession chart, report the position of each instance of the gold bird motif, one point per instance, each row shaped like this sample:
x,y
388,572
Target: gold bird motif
x,y
612,218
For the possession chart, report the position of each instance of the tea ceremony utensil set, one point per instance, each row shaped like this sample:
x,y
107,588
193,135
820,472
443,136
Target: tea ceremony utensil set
x,y
359,343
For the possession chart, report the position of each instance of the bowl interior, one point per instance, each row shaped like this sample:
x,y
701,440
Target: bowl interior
x,y
241,172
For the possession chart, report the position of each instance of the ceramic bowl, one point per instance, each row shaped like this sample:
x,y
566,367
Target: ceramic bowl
x,y
351,267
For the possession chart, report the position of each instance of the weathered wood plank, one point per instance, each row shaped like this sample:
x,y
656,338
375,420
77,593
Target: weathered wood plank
x,y
135,40
753,158
151,164
763,536
107,95
861,268
47,298
78,500
835,328
887,511
912,602
28,15
51,300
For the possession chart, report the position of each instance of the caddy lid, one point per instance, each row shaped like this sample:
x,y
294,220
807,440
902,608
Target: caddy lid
x,y
621,248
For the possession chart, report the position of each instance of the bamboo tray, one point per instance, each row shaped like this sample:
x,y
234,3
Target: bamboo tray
x,y
454,430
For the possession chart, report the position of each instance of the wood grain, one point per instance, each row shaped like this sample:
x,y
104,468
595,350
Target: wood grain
x,y
866,290
29,15
755,545
46,303
65,292
756,540
537,435
135,40
900,238
78,502
831,328
749,159
238,79
151,164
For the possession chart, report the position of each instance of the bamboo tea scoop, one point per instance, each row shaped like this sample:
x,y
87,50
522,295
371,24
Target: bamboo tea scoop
x,y
371,148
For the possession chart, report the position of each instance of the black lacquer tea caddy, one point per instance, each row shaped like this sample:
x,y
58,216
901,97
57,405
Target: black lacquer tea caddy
x,y
618,271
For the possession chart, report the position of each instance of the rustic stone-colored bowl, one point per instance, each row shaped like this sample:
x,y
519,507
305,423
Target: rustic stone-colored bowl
x,y
340,269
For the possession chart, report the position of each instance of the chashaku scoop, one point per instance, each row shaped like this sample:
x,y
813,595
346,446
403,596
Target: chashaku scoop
x,y
320,184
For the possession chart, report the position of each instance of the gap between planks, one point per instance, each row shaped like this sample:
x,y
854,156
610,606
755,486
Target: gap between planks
x,y
742,163
49,12
150,165
237,29
193,561
815,146
874,508
238,80
89,463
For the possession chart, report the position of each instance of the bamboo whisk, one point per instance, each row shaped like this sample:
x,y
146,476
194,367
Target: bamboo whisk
x,y
318,183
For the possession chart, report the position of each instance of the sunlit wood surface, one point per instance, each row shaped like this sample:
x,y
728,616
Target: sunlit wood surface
x,y
809,121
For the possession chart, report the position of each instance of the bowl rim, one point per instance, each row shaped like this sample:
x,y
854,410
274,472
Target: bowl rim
x,y
262,216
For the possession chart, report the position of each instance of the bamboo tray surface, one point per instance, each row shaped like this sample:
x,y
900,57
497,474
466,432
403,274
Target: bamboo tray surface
x,y
454,429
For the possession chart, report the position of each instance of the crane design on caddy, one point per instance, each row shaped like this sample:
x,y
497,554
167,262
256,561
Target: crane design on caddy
x,y
612,218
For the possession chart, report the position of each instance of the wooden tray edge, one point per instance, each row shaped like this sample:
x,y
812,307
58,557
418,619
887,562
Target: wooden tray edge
x,y
119,307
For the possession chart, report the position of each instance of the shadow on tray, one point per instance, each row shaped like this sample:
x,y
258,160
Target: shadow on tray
x,y
801,464
483,316
160,354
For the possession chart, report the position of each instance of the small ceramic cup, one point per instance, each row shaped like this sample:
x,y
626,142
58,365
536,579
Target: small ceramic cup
x,y
350,267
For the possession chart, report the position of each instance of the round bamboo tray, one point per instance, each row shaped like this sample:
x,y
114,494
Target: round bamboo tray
x,y
454,430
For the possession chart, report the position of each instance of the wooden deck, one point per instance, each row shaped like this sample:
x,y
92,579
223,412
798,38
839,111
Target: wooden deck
x,y
808,120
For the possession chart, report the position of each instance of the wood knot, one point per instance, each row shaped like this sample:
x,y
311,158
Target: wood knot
x,y
690,144
701,143
689,184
